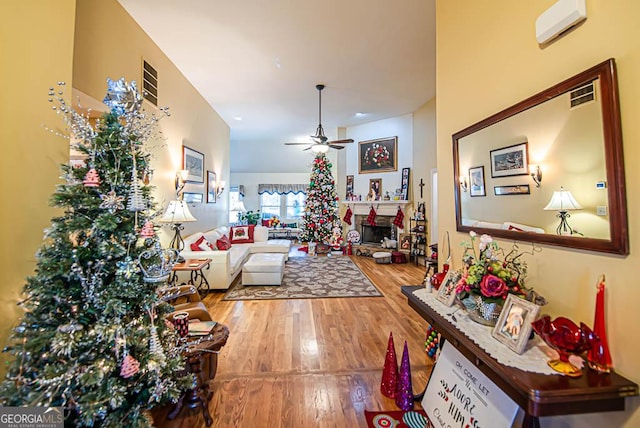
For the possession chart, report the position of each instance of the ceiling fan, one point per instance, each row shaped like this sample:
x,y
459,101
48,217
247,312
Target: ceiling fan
x,y
321,145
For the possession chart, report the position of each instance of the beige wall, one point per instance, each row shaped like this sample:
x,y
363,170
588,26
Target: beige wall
x,y
109,43
487,60
36,41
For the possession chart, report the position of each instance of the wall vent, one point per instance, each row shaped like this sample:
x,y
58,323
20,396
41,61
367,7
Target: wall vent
x,y
582,95
149,83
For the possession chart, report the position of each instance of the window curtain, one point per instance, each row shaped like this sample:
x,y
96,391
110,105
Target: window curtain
x,y
282,189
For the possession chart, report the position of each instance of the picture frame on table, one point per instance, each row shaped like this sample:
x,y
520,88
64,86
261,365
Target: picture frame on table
x,y
514,323
375,189
192,198
193,162
510,161
378,155
516,189
476,181
447,291
349,188
405,241
404,188
211,187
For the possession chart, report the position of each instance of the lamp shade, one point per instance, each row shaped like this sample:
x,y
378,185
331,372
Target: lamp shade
x,y
238,206
177,212
562,200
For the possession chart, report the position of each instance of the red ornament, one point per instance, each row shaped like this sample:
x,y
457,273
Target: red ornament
x,y
147,230
389,383
130,366
91,179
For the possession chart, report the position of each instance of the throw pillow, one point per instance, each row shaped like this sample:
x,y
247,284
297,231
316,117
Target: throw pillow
x,y
242,234
266,223
195,246
512,227
223,243
207,246
291,225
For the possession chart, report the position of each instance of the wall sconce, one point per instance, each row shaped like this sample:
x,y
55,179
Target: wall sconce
x,y
180,181
464,184
536,174
219,187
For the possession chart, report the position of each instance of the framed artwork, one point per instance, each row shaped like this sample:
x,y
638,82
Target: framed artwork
x,y
349,186
378,155
508,161
375,189
518,189
514,324
405,241
447,290
404,188
193,162
476,181
211,187
192,198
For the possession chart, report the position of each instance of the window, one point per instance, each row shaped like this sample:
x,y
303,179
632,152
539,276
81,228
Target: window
x,y
234,205
289,206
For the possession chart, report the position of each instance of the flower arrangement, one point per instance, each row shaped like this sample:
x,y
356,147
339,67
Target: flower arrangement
x,y
377,155
274,221
490,273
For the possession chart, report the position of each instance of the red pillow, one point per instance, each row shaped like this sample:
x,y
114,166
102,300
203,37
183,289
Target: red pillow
x,y
515,228
223,243
195,246
266,223
242,234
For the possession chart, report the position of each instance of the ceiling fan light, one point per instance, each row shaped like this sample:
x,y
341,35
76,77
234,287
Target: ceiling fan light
x,y
319,148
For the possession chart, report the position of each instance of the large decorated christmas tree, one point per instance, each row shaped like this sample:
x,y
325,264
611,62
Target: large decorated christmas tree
x,y
321,211
93,337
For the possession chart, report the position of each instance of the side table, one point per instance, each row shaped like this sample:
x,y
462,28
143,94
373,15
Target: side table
x,y
200,395
194,267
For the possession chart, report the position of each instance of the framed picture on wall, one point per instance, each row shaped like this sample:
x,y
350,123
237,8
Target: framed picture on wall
x,y
508,161
192,198
211,187
193,162
476,181
404,188
378,155
518,189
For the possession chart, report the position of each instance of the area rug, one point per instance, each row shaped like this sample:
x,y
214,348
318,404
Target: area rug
x,y
396,418
311,278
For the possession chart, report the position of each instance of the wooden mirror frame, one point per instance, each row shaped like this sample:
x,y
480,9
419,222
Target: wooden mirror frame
x,y
614,162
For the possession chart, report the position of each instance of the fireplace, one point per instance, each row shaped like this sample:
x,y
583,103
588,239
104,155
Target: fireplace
x,y
384,228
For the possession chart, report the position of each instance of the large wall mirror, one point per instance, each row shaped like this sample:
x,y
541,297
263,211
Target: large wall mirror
x,y
549,169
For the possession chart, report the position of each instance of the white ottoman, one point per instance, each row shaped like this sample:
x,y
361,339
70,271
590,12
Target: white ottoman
x,y
382,257
263,269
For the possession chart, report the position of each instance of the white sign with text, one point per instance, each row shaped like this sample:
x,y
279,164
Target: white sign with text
x,y
460,395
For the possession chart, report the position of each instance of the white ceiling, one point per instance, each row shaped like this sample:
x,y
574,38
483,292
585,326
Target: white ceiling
x,y
260,61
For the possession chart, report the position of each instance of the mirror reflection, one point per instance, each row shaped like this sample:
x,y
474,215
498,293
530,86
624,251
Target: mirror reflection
x,y
548,169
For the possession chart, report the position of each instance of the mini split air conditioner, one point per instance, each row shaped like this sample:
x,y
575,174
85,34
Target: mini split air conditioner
x,y
560,17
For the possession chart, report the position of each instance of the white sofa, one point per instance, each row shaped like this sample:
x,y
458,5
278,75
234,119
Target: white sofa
x,y
226,265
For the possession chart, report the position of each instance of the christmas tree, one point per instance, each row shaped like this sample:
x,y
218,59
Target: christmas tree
x,y
93,337
321,212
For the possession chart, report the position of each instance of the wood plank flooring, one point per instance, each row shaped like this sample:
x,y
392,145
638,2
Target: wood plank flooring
x,y
311,362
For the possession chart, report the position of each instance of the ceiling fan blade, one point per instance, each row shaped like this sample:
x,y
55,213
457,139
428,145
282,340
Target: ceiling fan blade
x,y
336,147
296,144
349,140
308,148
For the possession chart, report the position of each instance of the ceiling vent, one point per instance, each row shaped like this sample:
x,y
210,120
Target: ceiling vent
x,y
150,83
583,94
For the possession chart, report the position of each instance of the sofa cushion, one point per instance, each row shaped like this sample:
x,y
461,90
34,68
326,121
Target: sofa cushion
x,y
192,238
223,243
237,256
242,234
213,235
260,234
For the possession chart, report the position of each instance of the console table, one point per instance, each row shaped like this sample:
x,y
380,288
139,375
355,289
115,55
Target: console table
x,y
537,394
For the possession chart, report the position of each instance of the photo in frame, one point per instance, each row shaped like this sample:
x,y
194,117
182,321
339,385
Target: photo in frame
x,y
517,189
192,198
508,161
193,162
476,181
349,190
404,189
378,155
514,323
375,189
447,290
405,241
211,187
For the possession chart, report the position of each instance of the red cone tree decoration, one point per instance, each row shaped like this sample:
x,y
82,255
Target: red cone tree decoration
x,y
404,394
389,382
599,357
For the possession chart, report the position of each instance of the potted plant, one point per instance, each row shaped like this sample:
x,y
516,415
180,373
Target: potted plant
x,y
249,217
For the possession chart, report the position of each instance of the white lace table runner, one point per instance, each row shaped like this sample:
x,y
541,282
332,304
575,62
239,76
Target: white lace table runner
x,y
536,354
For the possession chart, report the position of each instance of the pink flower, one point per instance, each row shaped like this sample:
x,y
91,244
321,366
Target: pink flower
x,y
462,284
492,286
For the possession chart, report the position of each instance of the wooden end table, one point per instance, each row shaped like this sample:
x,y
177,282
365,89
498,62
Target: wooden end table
x,y
194,267
200,395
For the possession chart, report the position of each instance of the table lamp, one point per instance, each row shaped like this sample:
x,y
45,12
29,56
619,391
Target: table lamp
x,y
176,214
563,201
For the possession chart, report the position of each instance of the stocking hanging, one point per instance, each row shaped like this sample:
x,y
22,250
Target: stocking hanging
x,y
371,219
347,216
399,220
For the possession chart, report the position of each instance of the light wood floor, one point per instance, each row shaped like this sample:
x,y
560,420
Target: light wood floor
x,y
312,362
